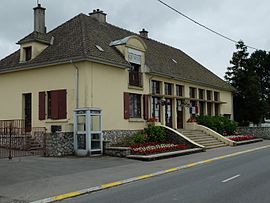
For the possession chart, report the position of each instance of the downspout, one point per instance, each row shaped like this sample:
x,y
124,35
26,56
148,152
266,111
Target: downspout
x,y
76,84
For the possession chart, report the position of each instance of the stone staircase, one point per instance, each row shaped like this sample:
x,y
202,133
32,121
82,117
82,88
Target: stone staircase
x,y
34,145
202,138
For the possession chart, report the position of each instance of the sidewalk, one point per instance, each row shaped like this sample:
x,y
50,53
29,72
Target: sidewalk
x,y
33,178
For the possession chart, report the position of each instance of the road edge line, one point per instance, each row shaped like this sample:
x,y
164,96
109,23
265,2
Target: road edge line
x,y
142,177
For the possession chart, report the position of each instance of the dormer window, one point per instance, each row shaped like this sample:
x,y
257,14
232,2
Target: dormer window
x,y
28,53
135,76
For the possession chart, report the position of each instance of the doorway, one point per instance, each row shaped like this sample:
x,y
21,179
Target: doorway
x,y
28,112
179,110
168,112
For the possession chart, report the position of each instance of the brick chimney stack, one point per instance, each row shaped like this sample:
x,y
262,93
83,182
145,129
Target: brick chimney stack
x,y
144,33
99,15
39,19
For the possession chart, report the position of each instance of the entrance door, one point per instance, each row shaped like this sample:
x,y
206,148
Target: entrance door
x,y
168,112
179,110
28,112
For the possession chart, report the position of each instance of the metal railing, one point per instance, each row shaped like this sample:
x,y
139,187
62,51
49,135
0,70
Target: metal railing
x,y
16,142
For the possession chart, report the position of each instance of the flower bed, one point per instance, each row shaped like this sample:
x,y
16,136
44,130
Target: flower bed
x,y
240,138
154,147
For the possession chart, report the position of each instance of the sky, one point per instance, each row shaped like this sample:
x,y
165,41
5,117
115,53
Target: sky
x,y
247,20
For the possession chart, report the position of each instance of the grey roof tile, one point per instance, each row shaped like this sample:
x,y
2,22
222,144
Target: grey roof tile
x,y
78,37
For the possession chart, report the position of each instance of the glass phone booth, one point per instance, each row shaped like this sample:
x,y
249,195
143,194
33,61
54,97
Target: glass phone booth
x,y
88,132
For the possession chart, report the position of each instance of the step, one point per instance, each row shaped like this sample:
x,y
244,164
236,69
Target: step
x,y
210,142
213,143
192,133
35,148
215,146
197,135
204,139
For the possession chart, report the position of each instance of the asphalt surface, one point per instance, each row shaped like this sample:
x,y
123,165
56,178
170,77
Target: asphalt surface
x,y
28,179
244,178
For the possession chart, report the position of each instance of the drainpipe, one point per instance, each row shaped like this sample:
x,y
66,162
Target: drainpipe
x,y
76,83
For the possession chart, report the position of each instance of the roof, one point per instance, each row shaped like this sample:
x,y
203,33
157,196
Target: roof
x,y
77,38
37,36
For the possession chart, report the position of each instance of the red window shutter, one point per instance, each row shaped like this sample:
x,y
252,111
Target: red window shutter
x,y
62,104
54,104
145,107
126,105
41,100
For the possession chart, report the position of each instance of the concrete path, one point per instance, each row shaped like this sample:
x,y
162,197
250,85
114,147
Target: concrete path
x,y
33,178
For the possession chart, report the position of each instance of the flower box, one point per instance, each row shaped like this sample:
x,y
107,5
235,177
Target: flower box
x,y
154,148
241,138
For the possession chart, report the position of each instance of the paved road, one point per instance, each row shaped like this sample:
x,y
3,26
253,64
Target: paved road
x,y
244,178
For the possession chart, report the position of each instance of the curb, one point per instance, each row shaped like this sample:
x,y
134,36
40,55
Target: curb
x,y
146,176
248,141
163,155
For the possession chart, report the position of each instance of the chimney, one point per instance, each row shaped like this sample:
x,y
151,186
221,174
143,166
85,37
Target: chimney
x,y
99,15
144,33
39,19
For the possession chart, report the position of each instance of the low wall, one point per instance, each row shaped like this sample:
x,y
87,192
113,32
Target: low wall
x,y
259,132
117,136
59,144
117,151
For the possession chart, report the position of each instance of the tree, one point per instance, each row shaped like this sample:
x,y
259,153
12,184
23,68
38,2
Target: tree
x,y
248,103
260,62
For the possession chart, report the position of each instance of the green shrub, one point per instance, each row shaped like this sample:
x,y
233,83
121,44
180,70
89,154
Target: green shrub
x,y
138,138
155,134
218,123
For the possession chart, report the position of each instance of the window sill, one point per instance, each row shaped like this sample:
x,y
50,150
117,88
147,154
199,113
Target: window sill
x,y
57,121
138,120
135,87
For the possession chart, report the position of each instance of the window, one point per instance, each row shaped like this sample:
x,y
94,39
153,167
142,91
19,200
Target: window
x,y
168,88
134,106
209,95
192,92
179,90
216,96
56,105
155,87
201,94
28,53
228,116
135,76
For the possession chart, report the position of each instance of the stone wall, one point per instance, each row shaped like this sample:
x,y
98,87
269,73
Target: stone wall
x,y
259,132
59,144
117,136
117,151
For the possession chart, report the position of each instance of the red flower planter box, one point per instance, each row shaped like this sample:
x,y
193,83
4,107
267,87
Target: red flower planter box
x,y
154,148
241,138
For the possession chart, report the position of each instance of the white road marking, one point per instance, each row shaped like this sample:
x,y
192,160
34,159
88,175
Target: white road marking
x,y
224,181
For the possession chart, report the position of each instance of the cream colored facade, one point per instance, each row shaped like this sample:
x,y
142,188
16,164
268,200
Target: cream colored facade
x,y
100,85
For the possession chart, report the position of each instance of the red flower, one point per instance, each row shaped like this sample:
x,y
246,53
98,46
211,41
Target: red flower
x,y
154,147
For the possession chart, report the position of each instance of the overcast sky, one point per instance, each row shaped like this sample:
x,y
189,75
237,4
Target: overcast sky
x,y
238,19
